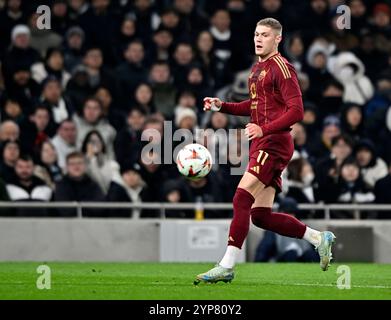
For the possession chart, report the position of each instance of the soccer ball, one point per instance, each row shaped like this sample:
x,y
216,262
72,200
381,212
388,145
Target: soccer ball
x,y
194,161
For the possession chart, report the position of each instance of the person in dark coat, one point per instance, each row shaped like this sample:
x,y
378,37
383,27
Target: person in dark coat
x,y
10,151
382,193
128,144
328,169
78,186
19,53
128,188
27,187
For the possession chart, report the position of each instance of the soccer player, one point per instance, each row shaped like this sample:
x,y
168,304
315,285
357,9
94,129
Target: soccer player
x,y
275,104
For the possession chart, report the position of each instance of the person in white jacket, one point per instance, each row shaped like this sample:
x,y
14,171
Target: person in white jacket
x,y
350,71
100,167
93,119
372,167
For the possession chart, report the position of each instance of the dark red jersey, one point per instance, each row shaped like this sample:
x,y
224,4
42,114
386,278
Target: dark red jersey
x,y
275,102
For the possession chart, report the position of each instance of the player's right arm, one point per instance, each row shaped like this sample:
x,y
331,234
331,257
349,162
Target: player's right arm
x,y
237,109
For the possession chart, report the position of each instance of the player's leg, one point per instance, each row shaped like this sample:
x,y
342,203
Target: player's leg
x,y
287,225
248,189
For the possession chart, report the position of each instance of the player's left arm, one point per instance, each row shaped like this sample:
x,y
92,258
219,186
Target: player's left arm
x,y
286,80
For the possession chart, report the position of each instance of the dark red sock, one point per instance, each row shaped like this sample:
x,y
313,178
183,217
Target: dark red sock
x,y
240,224
281,223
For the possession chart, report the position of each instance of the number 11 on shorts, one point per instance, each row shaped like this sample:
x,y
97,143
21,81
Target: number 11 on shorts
x,y
262,157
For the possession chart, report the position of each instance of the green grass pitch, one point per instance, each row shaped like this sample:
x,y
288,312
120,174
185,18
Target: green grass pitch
x,y
166,281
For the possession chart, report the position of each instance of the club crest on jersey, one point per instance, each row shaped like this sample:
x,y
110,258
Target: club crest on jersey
x,y
253,91
262,75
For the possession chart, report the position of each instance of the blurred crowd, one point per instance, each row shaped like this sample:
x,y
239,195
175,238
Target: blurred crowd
x,y
75,99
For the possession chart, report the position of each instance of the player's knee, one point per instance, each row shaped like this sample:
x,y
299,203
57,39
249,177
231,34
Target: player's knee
x,y
242,199
260,216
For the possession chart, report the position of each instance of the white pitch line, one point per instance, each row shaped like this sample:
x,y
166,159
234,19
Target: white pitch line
x,y
333,285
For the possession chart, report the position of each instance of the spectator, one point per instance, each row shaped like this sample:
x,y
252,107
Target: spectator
x,y
382,98
351,187
198,83
316,68
164,91
10,16
22,88
52,66
372,167
380,28
162,44
170,20
111,111
183,57
93,119
186,100
343,39
42,39
375,61
65,141
100,22
382,192
143,97
11,110
192,20
26,187
53,98
98,74
36,130
78,186
359,17
154,173
78,10
205,52
73,48
350,72
294,49
352,121
129,187
47,168
100,168
174,191
331,129
20,53
60,18
301,185
302,149
79,88
127,34
10,152
206,190
9,130
186,119
132,72
127,144
328,169
216,138
146,17
317,20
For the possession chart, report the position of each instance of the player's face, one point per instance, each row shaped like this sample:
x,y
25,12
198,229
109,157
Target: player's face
x,y
266,41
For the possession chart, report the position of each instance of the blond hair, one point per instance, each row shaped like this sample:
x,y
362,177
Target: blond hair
x,y
271,23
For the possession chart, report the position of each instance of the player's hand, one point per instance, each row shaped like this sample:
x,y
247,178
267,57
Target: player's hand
x,y
212,104
253,131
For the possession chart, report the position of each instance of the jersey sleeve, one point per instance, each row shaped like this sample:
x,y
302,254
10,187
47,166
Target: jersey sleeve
x,y
237,109
288,85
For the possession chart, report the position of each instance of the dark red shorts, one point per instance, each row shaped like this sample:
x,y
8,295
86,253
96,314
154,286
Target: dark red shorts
x,y
269,156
